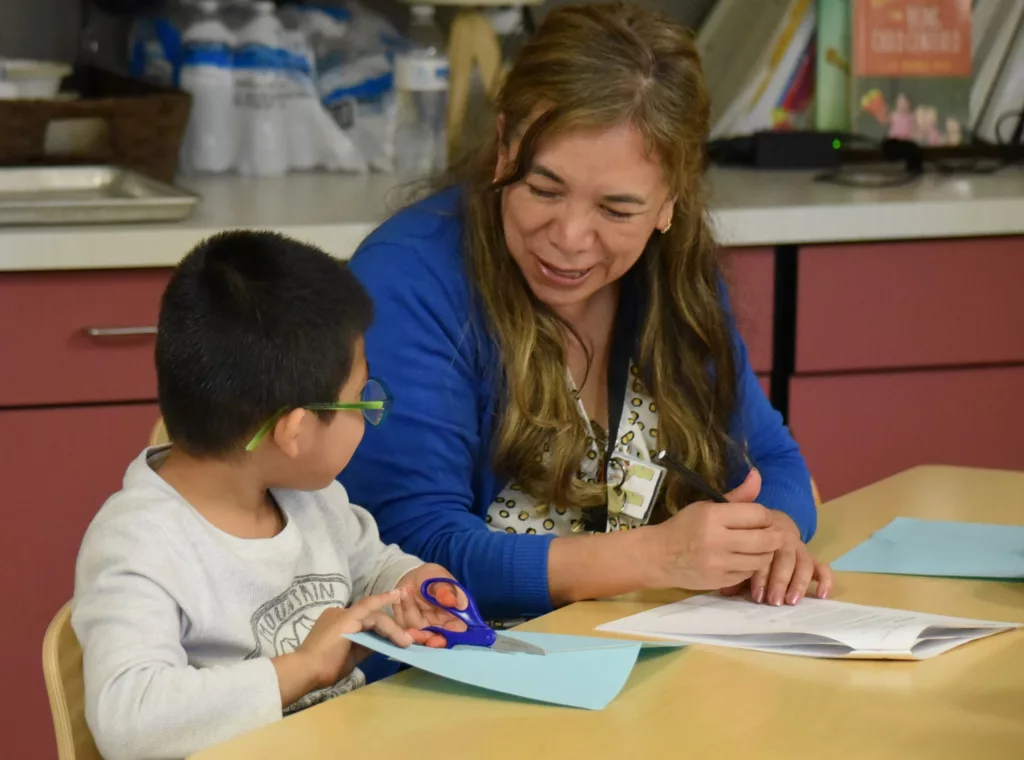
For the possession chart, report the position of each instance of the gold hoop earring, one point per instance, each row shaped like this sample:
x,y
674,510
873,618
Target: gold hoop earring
x,y
667,227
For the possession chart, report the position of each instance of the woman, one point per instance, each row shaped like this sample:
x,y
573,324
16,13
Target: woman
x,y
560,287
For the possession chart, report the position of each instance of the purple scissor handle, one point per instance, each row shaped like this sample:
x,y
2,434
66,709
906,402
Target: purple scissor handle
x,y
477,633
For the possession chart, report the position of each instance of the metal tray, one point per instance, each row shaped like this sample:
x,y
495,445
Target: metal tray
x,y
88,195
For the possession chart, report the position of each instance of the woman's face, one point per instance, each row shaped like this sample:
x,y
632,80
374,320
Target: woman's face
x,y
583,214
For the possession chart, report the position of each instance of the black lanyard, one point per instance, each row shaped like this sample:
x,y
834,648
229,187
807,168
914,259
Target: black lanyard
x,y
624,337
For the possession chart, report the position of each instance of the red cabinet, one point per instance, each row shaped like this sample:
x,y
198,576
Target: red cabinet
x,y
75,409
928,303
859,428
908,353
58,466
45,324
750,277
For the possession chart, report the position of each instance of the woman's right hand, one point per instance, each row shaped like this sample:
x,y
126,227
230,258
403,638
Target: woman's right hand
x,y
709,546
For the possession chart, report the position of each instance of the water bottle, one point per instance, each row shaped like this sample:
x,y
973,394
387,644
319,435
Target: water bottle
x,y
301,98
261,92
211,140
235,13
154,42
421,84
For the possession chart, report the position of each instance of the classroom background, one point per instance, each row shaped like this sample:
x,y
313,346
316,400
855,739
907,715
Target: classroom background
x,y
871,224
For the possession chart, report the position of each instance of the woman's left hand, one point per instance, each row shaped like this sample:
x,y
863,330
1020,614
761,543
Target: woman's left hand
x,y
414,613
792,570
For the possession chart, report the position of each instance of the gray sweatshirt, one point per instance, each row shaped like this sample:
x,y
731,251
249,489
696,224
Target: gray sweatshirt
x,y
178,620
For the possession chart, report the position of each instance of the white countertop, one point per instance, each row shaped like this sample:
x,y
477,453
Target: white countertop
x,y
336,212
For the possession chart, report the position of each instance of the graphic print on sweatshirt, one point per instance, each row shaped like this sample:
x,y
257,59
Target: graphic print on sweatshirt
x,y
280,625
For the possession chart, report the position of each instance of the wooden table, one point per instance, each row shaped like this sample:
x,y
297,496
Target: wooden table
x,y
716,703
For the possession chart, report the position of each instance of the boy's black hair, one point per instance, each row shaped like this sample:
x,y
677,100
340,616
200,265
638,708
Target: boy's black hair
x,y
250,323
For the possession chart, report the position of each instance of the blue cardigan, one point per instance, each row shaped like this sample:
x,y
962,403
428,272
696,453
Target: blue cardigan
x,y
426,474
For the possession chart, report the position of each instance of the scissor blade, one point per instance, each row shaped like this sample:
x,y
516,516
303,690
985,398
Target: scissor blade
x,y
505,645
512,645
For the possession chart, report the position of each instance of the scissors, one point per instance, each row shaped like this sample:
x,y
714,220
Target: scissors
x,y
477,633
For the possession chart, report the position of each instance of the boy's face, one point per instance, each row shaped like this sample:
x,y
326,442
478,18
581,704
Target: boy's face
x,y
336,441
343,434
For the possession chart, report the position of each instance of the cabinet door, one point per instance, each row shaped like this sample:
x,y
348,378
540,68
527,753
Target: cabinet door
x,y
857,429
750,276
79,337
926,303
57,467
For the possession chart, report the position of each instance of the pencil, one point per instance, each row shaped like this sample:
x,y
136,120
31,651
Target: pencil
x,y
695,480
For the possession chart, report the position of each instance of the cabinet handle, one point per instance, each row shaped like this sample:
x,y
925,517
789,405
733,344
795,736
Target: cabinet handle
x,y
113,332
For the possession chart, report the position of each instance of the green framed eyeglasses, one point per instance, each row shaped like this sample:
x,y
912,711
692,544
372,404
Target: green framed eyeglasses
x,y
374,402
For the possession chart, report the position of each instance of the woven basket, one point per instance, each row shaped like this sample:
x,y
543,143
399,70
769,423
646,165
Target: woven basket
x,y
145,124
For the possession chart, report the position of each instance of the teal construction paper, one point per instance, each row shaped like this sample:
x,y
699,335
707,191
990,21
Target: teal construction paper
x,y
577,671
909,546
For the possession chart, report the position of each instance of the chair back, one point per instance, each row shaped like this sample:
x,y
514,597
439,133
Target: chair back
x,y
65,686
158,435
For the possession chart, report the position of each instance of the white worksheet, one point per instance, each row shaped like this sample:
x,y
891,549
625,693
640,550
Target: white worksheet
x,y
813,628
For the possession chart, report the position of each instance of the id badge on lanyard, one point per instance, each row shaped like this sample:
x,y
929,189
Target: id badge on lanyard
x,y
640,497
633,486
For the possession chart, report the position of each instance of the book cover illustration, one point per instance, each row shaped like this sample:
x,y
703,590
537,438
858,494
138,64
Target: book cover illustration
x,y
912,70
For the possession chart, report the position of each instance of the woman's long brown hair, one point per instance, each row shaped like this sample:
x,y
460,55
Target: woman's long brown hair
x,y
597,67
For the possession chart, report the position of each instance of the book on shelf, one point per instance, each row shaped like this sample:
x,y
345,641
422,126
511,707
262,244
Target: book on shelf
x,y
995,26
911,76
794,108
758,59
832,71
997,98
732,40
783,99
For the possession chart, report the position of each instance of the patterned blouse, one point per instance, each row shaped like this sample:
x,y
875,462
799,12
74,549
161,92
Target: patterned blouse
x,y
515,511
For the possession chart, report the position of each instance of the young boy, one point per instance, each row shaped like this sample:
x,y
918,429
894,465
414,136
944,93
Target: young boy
x,y
211,592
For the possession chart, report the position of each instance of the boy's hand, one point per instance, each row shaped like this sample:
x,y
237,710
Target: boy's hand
x,y
325,656
415,613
